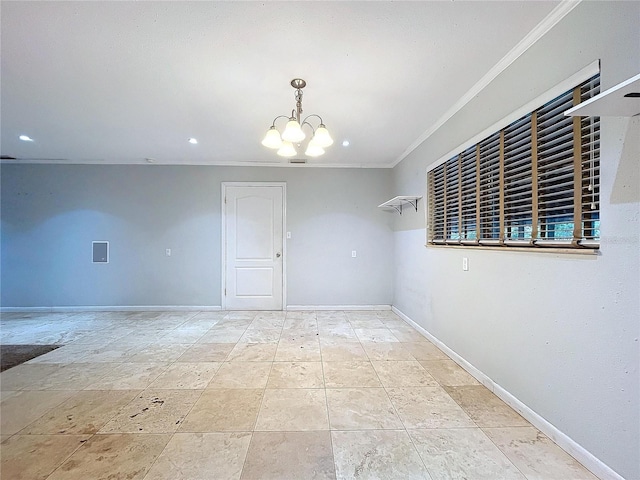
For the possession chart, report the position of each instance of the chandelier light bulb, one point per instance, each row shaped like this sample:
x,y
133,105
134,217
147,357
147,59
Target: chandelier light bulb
x,y
293,132
313,149
272,138
287,150
322,137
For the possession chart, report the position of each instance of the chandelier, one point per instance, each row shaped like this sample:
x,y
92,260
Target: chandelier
x,y
293,133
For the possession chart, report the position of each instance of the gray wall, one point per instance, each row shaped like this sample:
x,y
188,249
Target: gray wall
x,y
51,213
559,332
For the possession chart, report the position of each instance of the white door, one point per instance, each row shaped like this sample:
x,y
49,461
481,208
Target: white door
x,y
253,219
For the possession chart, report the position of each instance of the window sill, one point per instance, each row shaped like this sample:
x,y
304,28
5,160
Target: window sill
x,y
552,250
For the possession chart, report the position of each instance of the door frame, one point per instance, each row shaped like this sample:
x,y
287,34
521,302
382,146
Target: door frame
x,y
223,217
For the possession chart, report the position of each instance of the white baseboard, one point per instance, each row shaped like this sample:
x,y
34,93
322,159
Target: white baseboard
x,y
338,307
577,451
113,308
175,308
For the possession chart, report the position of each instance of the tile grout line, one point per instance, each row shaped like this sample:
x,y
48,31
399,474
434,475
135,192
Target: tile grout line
x,y
190,409
326,402
415,449
406,430
264,394
400,418
482,429
70,455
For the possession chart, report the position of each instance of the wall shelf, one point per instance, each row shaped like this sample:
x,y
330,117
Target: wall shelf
x,y
612,102
397,203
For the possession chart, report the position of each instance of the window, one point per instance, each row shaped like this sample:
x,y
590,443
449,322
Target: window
x,y
536,182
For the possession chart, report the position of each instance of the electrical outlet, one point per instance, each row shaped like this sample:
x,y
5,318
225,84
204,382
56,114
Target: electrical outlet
x,y
465,264
353,254
167,252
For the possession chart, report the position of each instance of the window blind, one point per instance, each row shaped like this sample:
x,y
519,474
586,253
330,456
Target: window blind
x,y
555,172
468,196
518,199
452,194
489,204
436,206
536,182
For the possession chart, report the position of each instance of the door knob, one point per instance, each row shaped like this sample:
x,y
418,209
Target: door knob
x,y
278,255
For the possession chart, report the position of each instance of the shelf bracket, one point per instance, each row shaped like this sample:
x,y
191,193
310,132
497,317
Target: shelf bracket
x,y
413,203
398,203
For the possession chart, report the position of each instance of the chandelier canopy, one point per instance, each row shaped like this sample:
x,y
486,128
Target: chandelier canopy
x,y
293,133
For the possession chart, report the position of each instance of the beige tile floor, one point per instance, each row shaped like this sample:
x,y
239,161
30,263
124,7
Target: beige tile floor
x,y
254,395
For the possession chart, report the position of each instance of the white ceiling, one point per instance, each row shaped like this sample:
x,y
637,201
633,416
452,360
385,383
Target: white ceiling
x,y
119,82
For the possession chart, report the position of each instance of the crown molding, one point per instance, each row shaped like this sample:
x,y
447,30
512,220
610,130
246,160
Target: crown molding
x,y
44,161
523,45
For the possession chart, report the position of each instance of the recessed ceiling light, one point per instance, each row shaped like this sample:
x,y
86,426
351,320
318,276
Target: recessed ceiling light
x,y
25,138
193,141
345,143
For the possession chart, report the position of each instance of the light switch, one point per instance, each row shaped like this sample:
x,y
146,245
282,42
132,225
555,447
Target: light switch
x,y
167,252
288,234
353,254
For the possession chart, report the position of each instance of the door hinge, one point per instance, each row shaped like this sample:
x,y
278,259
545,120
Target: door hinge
x,y
225,200
225,292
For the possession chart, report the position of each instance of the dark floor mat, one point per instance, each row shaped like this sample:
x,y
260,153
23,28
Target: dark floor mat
x,y
12,355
